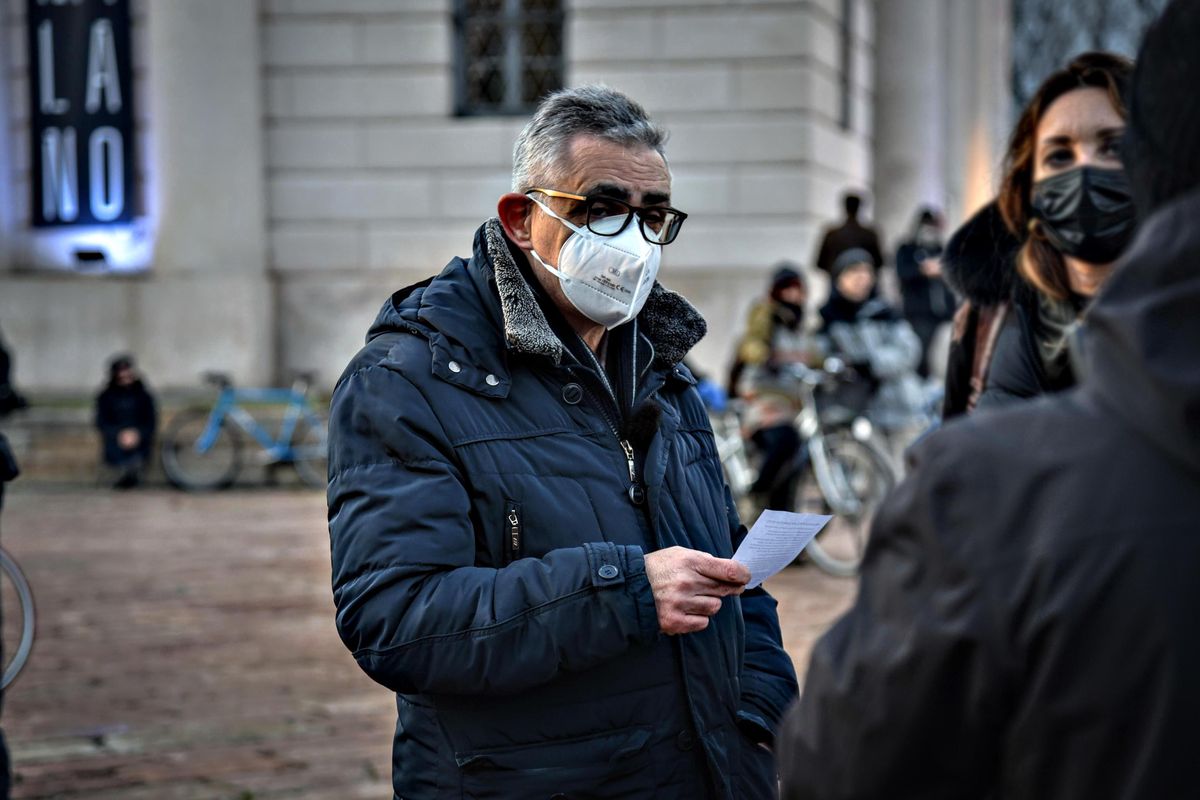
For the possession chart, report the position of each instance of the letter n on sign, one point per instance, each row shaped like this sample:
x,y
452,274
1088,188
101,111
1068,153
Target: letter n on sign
x,y
81,108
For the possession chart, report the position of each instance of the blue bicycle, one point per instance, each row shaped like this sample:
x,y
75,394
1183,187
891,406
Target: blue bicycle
x,y
203,448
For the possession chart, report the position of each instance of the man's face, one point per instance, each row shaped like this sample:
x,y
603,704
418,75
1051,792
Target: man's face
x,y
637,175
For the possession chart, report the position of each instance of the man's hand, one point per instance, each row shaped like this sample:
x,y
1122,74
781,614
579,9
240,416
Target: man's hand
x,y
931,267
688,586
128,438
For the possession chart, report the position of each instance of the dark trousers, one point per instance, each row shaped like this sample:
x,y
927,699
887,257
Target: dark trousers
x,y
782,451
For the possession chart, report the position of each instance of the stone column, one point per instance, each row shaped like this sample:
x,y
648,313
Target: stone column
x,y
210,304
910,106
942,108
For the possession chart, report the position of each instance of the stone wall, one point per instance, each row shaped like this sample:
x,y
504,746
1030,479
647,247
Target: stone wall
x,y
374,183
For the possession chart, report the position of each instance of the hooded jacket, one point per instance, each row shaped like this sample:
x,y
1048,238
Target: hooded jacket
x,y
488,558
1026,621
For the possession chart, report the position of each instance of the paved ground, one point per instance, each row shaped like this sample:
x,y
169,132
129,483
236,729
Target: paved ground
x,y
186,650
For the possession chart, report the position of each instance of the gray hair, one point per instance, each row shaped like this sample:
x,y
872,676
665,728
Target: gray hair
x,y
595,110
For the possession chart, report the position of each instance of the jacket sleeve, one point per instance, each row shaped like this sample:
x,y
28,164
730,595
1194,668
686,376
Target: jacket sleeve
x,y
906,695
412,607
892,348
768,676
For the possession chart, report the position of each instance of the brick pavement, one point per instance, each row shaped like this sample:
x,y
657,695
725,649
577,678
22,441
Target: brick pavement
x,y
186,650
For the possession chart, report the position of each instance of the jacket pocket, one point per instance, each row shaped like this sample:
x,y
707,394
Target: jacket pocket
x,y
607,766
514,532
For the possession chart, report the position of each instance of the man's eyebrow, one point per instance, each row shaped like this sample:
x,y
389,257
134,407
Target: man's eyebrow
x,y
608,190
655,199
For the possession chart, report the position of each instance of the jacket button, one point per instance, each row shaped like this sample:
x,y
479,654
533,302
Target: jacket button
x,y
608,572
454,367
686,740
572,393
491,380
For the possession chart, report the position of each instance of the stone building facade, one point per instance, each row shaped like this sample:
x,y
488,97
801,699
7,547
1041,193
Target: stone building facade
x,y
301,159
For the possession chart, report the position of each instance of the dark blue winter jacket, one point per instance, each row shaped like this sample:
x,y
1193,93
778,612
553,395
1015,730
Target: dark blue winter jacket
x,y
488,558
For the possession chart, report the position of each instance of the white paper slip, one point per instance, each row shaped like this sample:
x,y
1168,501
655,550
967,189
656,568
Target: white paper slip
x,y
775,540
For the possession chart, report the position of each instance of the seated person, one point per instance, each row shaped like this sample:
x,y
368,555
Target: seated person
x,y
775,337
870,336
127,419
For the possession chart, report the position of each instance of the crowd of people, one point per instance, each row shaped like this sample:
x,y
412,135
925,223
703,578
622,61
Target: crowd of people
x,y
532,539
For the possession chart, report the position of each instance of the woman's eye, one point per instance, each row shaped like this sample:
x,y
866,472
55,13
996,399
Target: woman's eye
x,y
1058,158
1111,147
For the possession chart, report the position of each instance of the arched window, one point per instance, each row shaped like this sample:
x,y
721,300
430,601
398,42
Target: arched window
x,y
509,53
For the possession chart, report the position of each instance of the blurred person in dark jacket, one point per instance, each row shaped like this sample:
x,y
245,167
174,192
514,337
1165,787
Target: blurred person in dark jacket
x,y
10,399
928,303
851,234
531,533
127,419
1066,196
1026,621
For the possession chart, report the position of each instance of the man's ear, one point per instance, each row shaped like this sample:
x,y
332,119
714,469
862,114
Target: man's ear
x,y
513,210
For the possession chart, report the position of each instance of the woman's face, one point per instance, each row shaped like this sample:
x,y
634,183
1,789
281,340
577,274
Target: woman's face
x,y
1080,128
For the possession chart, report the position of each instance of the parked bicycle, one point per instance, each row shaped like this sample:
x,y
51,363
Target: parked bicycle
x,y
841,470
204,448
20,621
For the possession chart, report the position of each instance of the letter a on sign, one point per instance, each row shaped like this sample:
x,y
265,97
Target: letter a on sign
x,y
81,112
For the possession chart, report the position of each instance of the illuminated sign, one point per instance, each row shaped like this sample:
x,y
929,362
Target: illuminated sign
x,y
81,107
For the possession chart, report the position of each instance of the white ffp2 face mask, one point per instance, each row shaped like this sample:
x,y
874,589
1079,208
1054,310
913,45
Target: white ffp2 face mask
x,y
606,278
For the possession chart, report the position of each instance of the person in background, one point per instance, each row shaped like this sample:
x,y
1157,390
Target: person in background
x,y
127,419
1025,625
851,234
928,303
868,334
775,337
1065,195
10,399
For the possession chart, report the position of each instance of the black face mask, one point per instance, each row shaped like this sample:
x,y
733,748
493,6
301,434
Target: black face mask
x,y
1086,213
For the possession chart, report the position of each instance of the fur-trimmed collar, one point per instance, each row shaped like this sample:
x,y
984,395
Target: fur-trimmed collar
x,y
979,259
668,320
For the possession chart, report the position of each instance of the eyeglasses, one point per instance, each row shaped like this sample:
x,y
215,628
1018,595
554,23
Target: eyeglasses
x,y
658,224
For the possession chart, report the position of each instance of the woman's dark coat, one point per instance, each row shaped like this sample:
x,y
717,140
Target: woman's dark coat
x,y
1026,621
488,562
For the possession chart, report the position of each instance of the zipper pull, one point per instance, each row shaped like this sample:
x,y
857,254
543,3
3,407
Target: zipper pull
x,y
636,492
628,448
513,517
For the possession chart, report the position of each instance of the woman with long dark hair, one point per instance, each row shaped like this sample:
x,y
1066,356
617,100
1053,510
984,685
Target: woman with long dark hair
x,y
1065,196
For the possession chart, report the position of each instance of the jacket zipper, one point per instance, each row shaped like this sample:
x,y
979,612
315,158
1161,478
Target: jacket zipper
x,y
636,492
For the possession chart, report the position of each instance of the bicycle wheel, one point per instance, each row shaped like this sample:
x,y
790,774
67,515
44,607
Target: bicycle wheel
x,y
16,607
857,480
311,451
189,465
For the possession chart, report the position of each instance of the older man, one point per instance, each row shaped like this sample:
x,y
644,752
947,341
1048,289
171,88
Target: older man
x,y
531,533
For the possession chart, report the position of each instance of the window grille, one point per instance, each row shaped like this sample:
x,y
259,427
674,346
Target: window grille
x,y
509,54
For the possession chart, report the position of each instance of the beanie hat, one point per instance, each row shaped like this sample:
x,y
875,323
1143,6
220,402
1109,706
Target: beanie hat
x,y
1162,139
848,258
786,274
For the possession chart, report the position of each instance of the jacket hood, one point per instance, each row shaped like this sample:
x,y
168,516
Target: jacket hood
x,y
446,310
978,262
1143,334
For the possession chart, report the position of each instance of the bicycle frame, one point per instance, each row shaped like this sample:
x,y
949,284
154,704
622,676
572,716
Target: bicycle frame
x,y
229,405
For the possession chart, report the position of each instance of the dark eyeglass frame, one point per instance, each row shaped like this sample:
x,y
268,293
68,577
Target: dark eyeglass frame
x,y
589,200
